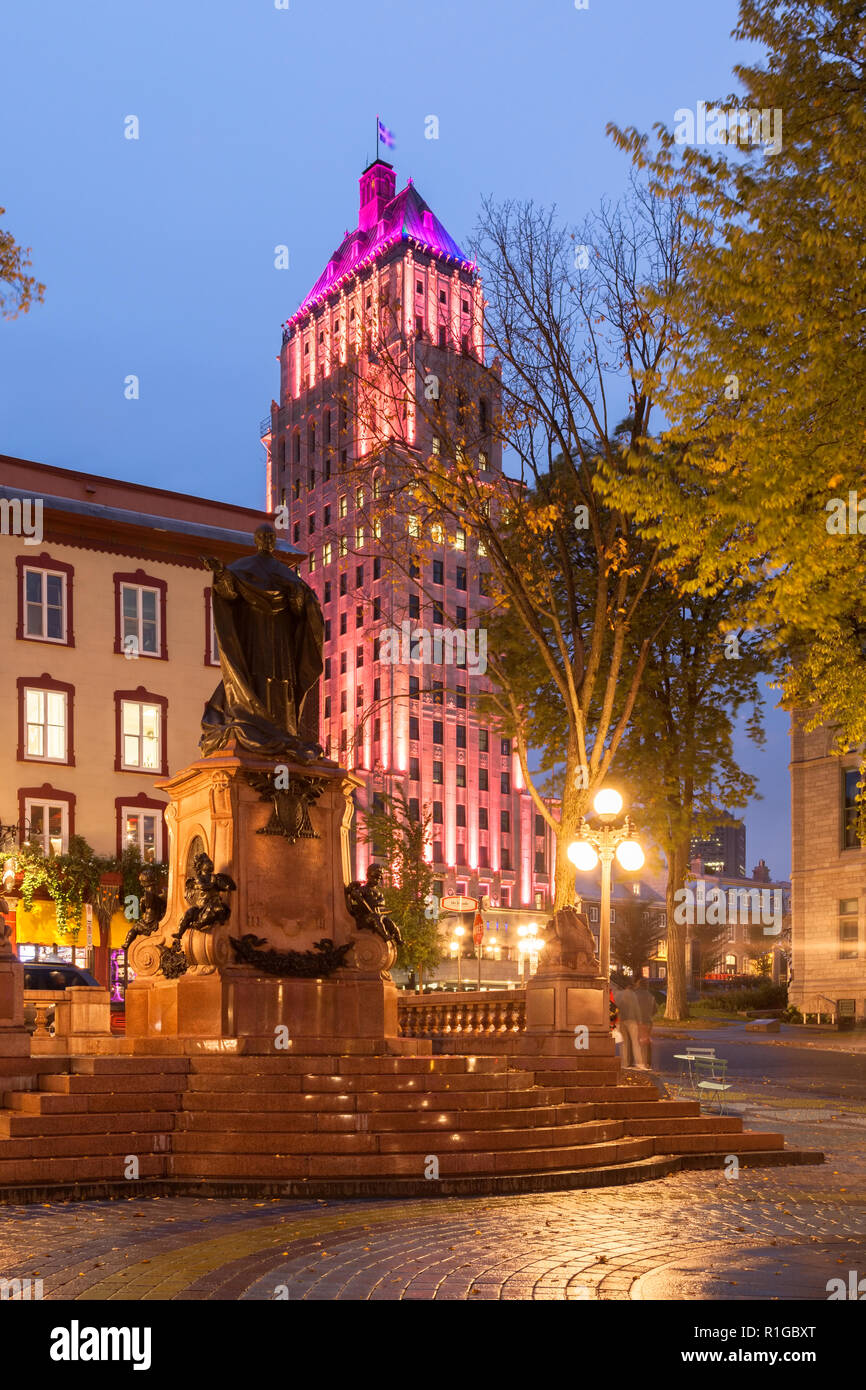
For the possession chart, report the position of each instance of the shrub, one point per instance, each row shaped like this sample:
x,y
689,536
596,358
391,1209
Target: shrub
x,y
762,995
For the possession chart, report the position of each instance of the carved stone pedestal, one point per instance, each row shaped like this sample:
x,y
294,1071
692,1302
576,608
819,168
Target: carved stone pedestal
x,y
559,1001
289,956
14,1038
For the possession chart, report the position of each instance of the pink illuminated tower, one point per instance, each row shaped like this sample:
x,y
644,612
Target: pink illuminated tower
x,y
394,720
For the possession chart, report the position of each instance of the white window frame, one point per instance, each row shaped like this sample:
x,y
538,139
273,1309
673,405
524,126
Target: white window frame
x,y
140,766
43,605
47,807
44,725
138,590
140,812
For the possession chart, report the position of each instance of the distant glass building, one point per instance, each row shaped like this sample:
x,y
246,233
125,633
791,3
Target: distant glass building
x,y
723,851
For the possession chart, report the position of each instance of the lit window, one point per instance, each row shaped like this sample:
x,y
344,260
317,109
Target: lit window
x,y
849,930
482,548
377,489
460,540
437,445
45,605
140,613
359,538
414,526
343,506
143,831
45,725
377,529
437,533
327,553
140,732
359,497
312,562
48,823
344,546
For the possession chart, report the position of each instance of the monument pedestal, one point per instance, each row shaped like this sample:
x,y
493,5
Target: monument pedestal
x,y
14,1038
289,957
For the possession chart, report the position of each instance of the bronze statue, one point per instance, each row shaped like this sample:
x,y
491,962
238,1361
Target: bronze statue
x,y
569,942
270,630
206,908
366,903
151,907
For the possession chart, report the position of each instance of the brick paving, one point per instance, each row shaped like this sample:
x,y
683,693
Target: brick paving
x,y
767,1233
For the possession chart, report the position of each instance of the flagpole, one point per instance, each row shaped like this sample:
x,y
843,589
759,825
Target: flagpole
x,y
377,136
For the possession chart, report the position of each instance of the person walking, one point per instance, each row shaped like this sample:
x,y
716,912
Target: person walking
x,y
629,1023
646,1009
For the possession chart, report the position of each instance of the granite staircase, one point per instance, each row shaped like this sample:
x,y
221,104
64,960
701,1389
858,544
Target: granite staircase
x,y
359,1125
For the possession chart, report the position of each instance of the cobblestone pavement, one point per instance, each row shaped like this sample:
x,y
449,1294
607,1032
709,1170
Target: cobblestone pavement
x,y
768,1233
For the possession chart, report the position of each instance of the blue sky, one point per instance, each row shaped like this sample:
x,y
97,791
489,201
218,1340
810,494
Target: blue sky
x,y
255,123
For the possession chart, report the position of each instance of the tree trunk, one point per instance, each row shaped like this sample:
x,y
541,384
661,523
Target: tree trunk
x,y
677,1008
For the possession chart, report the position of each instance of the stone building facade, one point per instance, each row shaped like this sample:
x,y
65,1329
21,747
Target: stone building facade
x,y
828,879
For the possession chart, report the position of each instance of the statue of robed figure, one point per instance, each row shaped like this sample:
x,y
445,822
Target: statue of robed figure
x,y
270,630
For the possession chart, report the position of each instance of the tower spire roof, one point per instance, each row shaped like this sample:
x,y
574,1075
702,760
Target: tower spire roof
x,y
383,220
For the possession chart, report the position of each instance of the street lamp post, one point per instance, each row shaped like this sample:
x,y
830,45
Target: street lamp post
x,y
612,837
457,946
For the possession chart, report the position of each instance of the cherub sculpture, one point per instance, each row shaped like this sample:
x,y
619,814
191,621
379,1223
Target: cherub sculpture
x,y
151,906
570,942
206,907
366,903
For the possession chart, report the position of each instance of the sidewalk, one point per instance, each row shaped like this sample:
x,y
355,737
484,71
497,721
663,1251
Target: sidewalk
x,y
790,1035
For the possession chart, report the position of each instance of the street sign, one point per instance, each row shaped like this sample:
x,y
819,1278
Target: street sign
x,y
478,929
457,903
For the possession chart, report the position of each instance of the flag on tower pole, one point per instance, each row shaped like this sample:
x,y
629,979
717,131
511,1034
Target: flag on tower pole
x,y
384,136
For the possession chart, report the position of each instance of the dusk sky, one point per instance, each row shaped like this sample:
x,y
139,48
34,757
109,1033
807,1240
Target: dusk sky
x,y
255,123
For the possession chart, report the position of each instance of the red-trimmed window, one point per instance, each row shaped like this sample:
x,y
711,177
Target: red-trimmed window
x,y
140,825
45,720
44,600
211,642
140,731
46,817
139,615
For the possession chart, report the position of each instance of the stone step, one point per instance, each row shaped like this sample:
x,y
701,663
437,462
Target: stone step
x,y
464,1141
726,1142
15,1124
43,1103
145,1083
622,1092
280,1063
130,1066
637,1110
513,1117
203,1166
57,1170
685,1124
80,1145
267,1102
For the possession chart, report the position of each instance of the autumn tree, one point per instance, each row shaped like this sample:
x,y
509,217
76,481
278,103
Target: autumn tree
x,y
398,839
18,290
677,757
767,404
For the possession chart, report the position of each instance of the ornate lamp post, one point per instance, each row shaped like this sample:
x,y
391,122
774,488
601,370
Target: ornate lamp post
x,y
612,836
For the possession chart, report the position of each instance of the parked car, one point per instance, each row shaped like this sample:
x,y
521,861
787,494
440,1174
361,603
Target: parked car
x,y
53,975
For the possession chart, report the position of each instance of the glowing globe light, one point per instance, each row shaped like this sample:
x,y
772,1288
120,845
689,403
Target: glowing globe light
x,y
630,855
607,802
582,855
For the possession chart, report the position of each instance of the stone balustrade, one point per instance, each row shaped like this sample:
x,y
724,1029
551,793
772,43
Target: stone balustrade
x,y
474,1014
